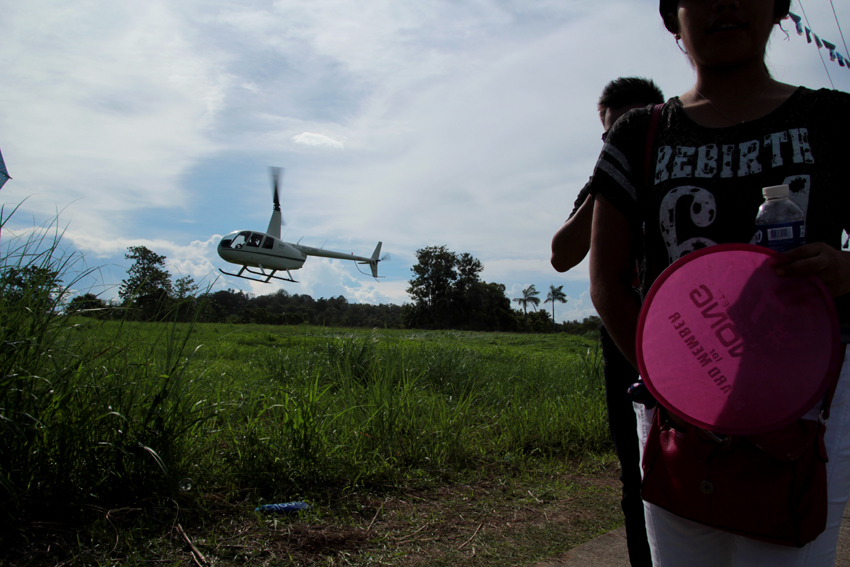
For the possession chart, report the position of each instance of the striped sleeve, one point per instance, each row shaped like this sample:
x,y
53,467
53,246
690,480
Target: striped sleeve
x,y
617,173
614,163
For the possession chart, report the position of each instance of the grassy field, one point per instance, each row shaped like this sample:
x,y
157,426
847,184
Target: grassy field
x,y
153,443
121,425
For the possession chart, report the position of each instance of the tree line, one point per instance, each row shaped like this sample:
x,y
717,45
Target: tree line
x,y
446,291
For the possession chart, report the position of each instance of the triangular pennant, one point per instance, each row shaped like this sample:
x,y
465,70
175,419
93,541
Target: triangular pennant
x,y
840,58
808,35
797,23
831,48
817,40
4,173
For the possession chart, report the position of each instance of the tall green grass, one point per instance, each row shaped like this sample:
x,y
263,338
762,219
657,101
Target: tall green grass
x,y
86,423
97,415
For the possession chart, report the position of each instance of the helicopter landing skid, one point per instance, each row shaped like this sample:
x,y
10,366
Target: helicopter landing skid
x,y
261,273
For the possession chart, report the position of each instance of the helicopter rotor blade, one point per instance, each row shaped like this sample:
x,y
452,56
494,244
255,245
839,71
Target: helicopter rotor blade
x,y
277,177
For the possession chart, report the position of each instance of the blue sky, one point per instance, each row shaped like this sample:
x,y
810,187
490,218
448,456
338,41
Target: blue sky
x,y
465,123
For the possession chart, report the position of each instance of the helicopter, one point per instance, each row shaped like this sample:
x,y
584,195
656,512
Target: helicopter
x,y
268,253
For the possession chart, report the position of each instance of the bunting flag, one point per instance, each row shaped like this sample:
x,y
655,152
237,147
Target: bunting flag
x,y
4,177
834,55
4,174
831,48
798,22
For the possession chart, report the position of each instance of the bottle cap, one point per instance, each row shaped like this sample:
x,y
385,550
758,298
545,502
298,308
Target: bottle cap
x,y
775,191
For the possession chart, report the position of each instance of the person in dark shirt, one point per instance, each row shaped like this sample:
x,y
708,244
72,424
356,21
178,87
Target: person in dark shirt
x,y
735,131
570,245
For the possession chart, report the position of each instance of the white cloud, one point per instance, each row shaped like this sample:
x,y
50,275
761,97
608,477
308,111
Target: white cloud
x,y
577,308
394,292
112,104
316,140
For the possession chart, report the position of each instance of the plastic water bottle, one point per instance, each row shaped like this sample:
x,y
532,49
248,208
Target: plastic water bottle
x,y
780,223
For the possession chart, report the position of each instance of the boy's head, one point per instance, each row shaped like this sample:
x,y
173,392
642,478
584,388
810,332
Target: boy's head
x,y
623,94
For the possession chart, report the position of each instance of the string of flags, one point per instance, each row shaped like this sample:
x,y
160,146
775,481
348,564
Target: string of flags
x,y
834,55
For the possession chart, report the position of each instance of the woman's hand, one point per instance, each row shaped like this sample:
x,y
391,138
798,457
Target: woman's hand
x,y
822,260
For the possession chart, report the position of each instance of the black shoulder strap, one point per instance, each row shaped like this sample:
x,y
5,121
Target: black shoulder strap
x,y
827,399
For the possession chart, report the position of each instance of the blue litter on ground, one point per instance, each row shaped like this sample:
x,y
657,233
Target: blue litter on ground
x,y
283,508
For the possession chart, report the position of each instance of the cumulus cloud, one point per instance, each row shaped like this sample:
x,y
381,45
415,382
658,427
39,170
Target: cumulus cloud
x,y
112,105
576,309
377,293
316,140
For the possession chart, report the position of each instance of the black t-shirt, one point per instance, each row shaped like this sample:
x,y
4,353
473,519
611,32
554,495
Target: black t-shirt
x,y
705,183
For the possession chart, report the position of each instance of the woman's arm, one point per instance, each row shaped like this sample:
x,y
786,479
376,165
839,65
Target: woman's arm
x,y
612,264
572,241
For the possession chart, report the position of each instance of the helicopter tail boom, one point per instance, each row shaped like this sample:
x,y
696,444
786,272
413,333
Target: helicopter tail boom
x,y
372,261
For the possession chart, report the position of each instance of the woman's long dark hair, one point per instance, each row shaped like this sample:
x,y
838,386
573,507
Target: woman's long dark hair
x,y
667,9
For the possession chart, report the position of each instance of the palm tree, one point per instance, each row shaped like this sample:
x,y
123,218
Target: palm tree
x,y
529,295
555,294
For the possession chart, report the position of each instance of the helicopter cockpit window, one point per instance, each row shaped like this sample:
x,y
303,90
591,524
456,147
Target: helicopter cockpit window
x,y
268,243
240,240
226,242
254,240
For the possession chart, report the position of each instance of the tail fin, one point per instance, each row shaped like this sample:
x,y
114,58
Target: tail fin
x,y
373,262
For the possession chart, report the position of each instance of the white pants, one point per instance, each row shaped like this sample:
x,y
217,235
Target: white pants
x,y
676,541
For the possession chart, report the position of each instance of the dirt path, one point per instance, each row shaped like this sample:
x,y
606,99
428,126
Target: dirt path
x,y
609,550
